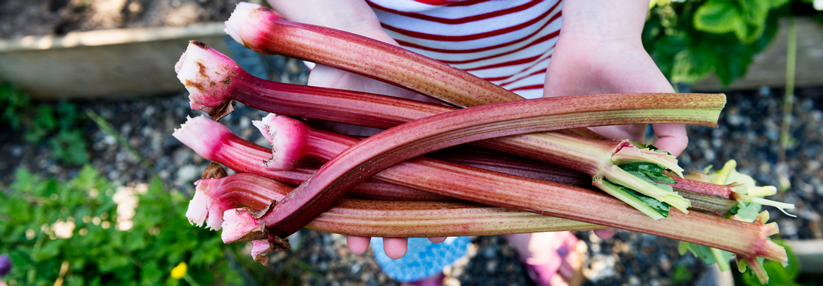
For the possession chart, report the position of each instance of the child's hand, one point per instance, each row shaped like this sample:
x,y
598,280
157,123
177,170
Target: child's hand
x,y
600,51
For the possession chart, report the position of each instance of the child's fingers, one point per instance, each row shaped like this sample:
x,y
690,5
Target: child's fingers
x,y
604,233
358,244
437,239
395,247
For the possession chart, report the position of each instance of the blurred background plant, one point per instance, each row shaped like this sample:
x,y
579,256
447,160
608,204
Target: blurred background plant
x,y
88,231
690,40
58,127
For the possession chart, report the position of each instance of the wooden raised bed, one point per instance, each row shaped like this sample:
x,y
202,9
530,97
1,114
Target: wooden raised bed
x,y
110,63
810,254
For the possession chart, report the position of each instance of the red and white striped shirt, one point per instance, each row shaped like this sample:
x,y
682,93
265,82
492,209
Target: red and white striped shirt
x,y
508,42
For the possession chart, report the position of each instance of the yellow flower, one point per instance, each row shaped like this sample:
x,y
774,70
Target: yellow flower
x,y
179,271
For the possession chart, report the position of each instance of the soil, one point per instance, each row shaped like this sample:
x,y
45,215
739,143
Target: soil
x,y
58,17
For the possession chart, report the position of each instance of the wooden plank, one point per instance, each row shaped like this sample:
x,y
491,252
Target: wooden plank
x,y
769,67
110,63
810,254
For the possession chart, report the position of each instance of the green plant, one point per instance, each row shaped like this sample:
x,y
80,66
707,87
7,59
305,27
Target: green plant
x,y
58,126
86,232
14,101
681,275
691,39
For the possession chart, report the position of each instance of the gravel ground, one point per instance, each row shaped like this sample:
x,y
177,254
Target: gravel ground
x,y
749,132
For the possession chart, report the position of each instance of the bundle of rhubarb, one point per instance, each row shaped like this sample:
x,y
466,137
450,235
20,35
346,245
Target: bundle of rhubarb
x,y
438,170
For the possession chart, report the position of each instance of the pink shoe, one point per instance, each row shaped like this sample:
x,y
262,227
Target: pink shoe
x,y
435,280
545,273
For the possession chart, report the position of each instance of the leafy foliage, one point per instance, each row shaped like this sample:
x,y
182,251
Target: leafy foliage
x,y
97,250
691,39
57,126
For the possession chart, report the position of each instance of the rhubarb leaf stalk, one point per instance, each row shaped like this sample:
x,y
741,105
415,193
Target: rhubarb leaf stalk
x,y
568,150
409,140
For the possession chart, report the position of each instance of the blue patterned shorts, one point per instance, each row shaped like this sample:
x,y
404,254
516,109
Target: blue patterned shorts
x,y
423,259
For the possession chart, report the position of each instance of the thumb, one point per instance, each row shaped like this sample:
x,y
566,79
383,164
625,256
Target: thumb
x,y
671,137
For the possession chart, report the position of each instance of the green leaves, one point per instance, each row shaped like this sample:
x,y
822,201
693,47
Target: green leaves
x,y
746,18
658,206
13,101
718,17
720,36
97,251
58,126
651,173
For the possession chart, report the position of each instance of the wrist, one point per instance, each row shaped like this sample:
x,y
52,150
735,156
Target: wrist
x,y
604,20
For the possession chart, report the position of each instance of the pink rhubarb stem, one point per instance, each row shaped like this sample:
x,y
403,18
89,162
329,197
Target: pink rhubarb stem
x,y
462,126
722,191
325,145
221,145
195,72
519,166
215,196
214,80
265,31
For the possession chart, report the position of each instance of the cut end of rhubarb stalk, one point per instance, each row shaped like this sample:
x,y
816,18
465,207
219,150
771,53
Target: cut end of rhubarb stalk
x,y
203,208
621,177
287,138
241,225
198,209
203,135
768,250
629,153
207,75
261,247
244,15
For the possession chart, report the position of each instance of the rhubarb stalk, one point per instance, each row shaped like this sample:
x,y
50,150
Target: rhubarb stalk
x,y
215,196
325,145
221,145
265,31
409,140
567,202
569,150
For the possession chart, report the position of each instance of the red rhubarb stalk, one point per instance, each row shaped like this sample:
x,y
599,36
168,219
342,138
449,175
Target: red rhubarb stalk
x,y
325,145
265,31
214,81
221,145
575,204
409,140
568,150
519,117
215,196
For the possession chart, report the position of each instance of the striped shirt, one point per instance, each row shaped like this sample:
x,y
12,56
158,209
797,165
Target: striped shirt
x,y
508,42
